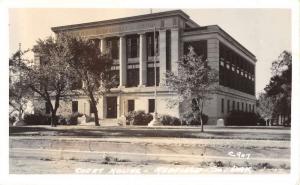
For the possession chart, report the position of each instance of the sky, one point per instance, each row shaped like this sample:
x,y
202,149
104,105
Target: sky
x,y
264,32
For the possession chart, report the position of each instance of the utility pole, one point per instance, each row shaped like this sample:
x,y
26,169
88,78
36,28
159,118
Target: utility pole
x,y
155,121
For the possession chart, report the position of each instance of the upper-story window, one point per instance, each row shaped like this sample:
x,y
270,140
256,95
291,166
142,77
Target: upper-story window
x,y
150,44
235,71
113,47
133,47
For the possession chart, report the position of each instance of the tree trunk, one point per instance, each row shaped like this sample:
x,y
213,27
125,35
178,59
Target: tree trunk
x,y
53,113
20,117
96,117
93,102
201,122
53,118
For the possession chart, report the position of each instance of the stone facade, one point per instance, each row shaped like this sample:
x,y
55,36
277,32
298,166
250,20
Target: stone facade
x,y
173,30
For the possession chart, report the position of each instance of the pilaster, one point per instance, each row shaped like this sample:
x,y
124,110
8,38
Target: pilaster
x,y
174,49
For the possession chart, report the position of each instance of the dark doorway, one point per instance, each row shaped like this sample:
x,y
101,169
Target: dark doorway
x,y
111,107
151,105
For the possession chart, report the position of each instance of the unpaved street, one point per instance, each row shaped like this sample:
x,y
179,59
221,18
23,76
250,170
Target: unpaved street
x,y
146,155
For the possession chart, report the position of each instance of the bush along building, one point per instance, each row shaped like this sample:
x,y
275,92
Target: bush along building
x,y
130,42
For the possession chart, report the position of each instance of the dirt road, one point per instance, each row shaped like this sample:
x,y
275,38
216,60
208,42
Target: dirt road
x,y
147,155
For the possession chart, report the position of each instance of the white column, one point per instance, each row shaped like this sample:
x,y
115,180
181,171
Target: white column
x,y
174,49
103,45
143,60
162,56
122,61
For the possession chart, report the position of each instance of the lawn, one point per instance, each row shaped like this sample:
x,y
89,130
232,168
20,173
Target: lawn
x,y
210,132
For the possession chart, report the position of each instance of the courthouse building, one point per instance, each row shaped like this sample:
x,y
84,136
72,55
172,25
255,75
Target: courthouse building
x,y
130,42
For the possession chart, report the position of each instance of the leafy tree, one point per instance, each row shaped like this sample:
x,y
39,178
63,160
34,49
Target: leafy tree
x,y
90,66
265,107
279,87
52,78
19,93
194,82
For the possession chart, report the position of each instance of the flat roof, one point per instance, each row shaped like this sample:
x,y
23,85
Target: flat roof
x,y
125,19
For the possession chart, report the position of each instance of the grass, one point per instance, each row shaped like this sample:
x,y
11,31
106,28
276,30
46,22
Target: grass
x,y
140,132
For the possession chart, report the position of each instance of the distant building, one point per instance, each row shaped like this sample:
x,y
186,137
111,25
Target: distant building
x,y
130,41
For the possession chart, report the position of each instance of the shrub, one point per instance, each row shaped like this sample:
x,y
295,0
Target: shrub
x,y
242,118
89,118
138,118
190,119
12,119
62,120
72,119
169,120
37,119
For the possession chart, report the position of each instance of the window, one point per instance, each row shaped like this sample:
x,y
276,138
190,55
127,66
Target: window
x,y
246,107
130,105
150,44
132,75
48,108
150,74
114,73
222,106
238,106
233,105
168,50
113,47
242,106
235,71
133,47
228,106
151,105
